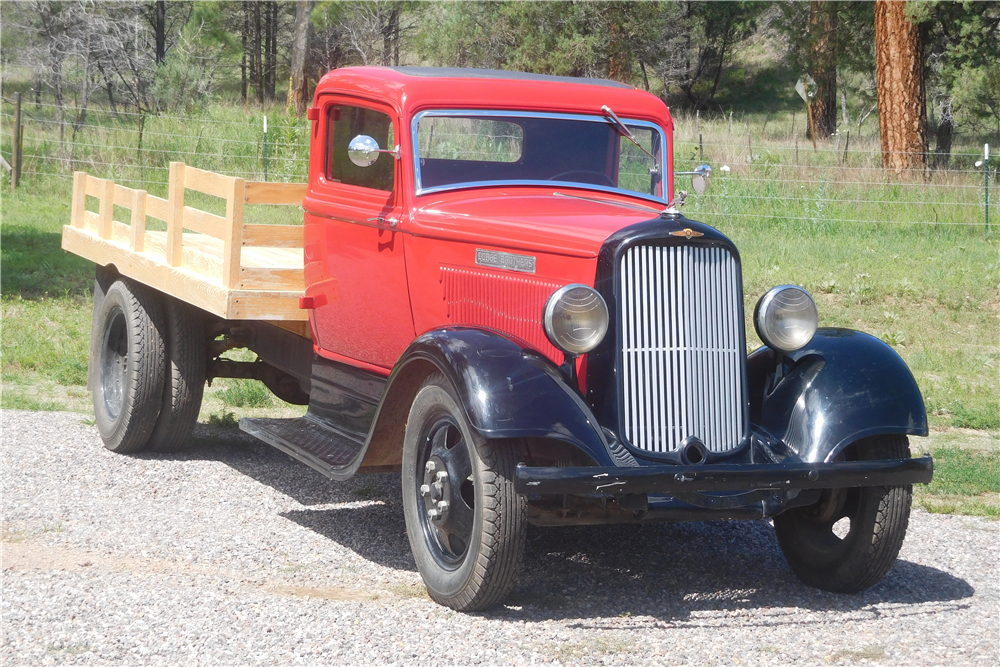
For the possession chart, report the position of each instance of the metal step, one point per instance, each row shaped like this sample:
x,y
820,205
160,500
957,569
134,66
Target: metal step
x,y
310,441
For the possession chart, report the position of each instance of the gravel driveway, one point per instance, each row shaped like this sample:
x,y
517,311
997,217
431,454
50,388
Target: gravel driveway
x,y
232,553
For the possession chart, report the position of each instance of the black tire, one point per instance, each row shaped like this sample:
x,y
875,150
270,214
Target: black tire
x,y
878,517
129,364
184,382
470,553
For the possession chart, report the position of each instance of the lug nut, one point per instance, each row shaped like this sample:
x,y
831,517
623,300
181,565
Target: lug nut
x,y
442,475
433,514
443,506
425,490
430,467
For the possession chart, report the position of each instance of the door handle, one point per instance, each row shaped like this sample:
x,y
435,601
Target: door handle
x,y
390,221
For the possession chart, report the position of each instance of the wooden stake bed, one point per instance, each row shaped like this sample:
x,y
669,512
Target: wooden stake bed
x,y
231,269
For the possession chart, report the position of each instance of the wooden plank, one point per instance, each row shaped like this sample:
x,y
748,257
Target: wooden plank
x,y
137,239
123,196
175,214
90,220
156,207
205,223
260,278
234,239
178,282
273,236
120,232
79,198
298,328
259,192
208,182
265,306
107,210
94,186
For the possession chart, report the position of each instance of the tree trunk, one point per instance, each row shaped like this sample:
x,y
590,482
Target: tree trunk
x,y
823,63
945,131
270,47
900,78
258,69
160,28
245,36
300,46
84,92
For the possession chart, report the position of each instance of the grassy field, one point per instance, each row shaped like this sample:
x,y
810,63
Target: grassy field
x,y
864,243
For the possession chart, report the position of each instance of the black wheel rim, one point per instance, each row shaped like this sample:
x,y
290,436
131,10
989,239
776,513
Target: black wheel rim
x,y
114,363
821,525
446,501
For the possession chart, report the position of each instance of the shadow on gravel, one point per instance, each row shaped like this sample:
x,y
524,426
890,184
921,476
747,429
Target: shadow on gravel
x,y
674,571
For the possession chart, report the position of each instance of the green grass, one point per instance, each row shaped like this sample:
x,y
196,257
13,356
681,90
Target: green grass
x,y
246,394
965,482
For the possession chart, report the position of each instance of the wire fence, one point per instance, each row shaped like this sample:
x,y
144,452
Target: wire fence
x,y
759,174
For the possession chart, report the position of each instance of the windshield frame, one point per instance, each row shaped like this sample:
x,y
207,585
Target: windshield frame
x,y
514,113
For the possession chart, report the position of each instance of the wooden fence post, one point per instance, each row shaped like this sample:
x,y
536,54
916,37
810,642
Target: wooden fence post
x,y
79,198
138,222
175,214
233,252
107,210
15,151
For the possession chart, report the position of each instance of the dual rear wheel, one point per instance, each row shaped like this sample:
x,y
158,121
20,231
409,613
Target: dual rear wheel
x,y
147,367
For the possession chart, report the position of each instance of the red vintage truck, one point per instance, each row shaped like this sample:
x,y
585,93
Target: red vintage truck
x,y
494,293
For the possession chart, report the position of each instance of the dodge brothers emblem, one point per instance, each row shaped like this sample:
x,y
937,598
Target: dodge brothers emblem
x,y
505,260
686,233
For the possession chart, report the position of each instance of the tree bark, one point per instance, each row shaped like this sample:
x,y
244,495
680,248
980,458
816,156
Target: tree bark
x,y
160,28
258,68
823,63
945,132
270,47
900,78
245,36
300,47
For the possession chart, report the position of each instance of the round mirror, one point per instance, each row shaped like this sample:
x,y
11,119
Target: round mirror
x,y
363,150
702,178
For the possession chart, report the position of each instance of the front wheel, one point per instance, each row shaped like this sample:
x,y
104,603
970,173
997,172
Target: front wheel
x,y
849,540
465,523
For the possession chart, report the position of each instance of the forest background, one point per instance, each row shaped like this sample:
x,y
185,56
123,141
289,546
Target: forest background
x,y
889,237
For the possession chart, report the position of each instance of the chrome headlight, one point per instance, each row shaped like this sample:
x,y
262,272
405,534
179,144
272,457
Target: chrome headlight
x,y
575,319
786,318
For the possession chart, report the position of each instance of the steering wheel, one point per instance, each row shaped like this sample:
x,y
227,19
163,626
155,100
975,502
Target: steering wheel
x,y
600,175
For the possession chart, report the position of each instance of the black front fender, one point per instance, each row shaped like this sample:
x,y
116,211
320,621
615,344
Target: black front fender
x,y
508,391
845,385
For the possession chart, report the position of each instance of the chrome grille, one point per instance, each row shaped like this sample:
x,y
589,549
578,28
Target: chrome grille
x,y
683,359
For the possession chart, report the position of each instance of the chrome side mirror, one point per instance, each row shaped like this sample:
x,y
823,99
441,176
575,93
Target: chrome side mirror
x,y
701,177
363,150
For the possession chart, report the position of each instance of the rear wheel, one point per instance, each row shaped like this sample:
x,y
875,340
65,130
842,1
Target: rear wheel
x,y
129,364
184,384
849,540
465,523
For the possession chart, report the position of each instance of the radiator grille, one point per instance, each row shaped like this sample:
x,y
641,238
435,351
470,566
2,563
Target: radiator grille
x,y
683,356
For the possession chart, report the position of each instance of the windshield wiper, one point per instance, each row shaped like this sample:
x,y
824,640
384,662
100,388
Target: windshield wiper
x,y
627,133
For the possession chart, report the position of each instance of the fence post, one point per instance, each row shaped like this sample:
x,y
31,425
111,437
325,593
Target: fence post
x,y
986,170
265,148
15,151
175,214
233,248
107,210
79,198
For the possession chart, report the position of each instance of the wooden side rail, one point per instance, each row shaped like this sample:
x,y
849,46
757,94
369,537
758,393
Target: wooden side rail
x,y
234,273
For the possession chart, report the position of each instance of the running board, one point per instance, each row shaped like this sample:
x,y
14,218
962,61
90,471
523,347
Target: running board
x,y
309,441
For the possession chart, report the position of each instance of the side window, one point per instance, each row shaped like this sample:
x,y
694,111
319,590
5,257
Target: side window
x,y
345,123
637,171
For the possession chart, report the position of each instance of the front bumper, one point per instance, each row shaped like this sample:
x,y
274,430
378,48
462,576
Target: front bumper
x,y
673,479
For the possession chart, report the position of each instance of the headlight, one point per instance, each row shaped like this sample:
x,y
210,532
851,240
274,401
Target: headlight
x,y
786,318
575,319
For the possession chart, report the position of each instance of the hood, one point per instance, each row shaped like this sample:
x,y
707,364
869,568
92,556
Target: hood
x,y
560,220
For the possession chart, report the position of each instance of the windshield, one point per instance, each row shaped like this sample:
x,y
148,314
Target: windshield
x,y
475,148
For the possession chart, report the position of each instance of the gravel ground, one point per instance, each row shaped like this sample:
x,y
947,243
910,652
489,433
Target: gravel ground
x,y
234,554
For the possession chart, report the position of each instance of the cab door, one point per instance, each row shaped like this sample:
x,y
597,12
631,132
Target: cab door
x,y
355,271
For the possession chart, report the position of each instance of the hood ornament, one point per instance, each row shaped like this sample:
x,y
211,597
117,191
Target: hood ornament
x,y
687,233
